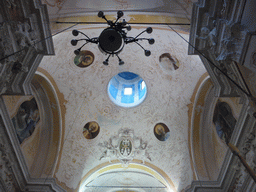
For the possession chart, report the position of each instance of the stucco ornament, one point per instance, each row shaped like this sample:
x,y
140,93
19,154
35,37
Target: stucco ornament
x,y
125,147
209,36
249,153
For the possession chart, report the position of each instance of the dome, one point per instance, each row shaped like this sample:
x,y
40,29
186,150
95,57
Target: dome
x,y
127,89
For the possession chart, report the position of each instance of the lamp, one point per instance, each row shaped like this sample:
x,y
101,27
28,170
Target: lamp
x,y
112,39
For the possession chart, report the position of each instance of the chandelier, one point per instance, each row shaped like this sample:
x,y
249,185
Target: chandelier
x,y
112,39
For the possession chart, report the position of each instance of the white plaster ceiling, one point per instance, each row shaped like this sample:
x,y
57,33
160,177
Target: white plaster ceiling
x,y
64,8
85,90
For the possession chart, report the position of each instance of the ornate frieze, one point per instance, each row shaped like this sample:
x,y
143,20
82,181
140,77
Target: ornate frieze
x,y
218,36
25,38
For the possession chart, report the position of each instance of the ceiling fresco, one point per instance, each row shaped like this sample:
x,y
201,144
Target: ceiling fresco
x,y
167,100
64,13
65,8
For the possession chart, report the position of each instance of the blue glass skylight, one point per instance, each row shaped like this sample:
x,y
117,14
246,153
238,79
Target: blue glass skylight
x,y
127,89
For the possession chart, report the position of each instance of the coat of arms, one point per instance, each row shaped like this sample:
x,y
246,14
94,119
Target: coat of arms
x,y
125,147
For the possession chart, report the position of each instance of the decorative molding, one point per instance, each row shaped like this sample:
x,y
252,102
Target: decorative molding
x,y
125,147
218,35
248,58
27,39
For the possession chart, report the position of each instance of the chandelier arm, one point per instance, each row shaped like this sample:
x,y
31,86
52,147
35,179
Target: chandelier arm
x,y
82,39
106,61
108,57
104,18
140,34
119,15
130,40
120,60
139,45
94,40
142,39
118,57
84,35
117,20
83,45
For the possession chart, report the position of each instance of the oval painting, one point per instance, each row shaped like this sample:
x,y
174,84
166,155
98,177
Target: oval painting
x,y
84,59
161,132
91,130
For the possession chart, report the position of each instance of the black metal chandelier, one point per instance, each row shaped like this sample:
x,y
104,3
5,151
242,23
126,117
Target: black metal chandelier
x,y
112,39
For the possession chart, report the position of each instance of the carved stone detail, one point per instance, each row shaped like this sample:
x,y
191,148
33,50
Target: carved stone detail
x,y
249,153
24,31
125,147
232,42
6,173
218,34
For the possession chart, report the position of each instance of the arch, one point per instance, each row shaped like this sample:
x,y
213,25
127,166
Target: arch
x,y
204,97
161,182
208,150
42,150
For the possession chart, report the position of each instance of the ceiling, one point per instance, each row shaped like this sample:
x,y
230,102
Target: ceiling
x,y
86,99
65,8
144,11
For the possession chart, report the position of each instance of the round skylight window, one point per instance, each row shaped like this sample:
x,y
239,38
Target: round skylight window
x,y
127,89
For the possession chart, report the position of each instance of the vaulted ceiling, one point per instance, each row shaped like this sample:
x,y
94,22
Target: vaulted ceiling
x,y
160,11
64,8
85,98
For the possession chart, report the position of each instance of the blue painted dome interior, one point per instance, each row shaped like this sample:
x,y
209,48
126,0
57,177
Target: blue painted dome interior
x,y
127,75
127,89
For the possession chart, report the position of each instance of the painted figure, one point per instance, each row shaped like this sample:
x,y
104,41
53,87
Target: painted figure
x,y
162,132
168,62
224,121
26,119
91,130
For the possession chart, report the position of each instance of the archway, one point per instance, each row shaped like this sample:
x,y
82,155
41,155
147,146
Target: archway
x,y
136,177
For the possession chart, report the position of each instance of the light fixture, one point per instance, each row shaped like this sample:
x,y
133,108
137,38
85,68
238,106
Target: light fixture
x,y
112,39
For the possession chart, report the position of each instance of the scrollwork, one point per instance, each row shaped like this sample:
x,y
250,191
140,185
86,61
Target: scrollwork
x,y
110,150
126,149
